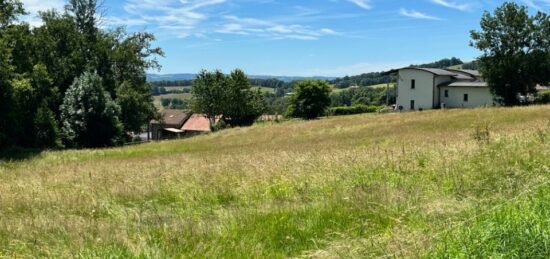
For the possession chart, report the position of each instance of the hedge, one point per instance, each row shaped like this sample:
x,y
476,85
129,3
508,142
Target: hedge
x,y
356,109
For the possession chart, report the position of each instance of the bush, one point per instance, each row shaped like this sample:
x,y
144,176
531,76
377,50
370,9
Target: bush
x,y
356,109
543,98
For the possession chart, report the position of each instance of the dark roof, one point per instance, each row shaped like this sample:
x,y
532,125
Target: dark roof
x,y
174,118
435,71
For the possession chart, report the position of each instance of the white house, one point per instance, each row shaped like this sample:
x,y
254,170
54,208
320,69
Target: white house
x,y
430,88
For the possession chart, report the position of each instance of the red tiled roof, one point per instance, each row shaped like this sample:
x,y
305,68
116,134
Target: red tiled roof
x,y
197,122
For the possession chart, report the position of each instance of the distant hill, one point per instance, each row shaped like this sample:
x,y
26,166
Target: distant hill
x,y
173,77
377,78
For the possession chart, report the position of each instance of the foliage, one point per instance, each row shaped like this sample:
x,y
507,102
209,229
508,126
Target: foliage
x,y
516,52
173,103
444,63
367,79
474,65
39,64
215,94
89,115
45,127
363,95
543,98
356,109
136,104
9,11
310,99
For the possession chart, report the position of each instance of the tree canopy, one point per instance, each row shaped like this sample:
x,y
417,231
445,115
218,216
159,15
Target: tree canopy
x,y
39,65
516,51
310,99
229,96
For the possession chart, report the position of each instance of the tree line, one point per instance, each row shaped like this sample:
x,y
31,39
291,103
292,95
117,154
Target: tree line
x,y
69,83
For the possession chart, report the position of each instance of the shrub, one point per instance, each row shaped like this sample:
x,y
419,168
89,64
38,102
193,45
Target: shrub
x,y
543,98
356,109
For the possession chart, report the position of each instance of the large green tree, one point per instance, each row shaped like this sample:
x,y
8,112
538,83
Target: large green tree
x,y
90,117
232,97
310,99
515,50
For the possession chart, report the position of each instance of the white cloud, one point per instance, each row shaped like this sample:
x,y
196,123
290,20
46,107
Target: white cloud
x,y
173,17
365,4
453,5
417,15
35,6
269,29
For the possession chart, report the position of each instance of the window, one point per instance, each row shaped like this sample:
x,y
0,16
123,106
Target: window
x,y
413,84
412,104
465,97
446,93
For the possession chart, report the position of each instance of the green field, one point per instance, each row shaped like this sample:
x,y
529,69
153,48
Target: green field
x,y
447,183
157,99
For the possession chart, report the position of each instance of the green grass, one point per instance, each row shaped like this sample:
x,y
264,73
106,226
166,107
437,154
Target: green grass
x,y
353,187
264,89
519,229
157,99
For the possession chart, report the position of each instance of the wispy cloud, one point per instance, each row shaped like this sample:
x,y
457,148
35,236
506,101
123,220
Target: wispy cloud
x,y
270,29
178,18
537,4
35,6
417,15
453,5
365,4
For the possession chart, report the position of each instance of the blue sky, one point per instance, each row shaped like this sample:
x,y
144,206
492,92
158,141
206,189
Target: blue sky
x,y
299,38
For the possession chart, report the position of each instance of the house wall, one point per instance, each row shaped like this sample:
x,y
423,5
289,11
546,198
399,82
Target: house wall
x,y
437,96
477,97
423,94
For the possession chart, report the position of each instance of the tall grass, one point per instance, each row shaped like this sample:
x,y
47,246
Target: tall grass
x,y
355,186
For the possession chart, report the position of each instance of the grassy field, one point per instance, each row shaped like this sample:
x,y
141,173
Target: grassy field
x,y
157,99
393,185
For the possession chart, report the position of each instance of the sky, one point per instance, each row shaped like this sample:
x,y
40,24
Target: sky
x,y
298,38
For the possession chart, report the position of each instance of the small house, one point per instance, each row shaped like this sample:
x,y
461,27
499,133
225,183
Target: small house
x,y
178,123
431,88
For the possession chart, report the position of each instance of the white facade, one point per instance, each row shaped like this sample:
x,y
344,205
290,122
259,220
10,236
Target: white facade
x,y
466,97
424,89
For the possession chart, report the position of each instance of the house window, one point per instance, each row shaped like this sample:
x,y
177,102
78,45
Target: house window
x,y
465,97
446,93
412,104
413,84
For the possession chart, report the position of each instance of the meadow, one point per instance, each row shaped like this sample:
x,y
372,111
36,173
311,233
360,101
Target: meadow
x,y
445,183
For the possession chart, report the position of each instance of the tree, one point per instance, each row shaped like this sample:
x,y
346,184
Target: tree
x,y
9,11
209,94
215,94
89,115
6,97
515,50
310,99
137,108
243,105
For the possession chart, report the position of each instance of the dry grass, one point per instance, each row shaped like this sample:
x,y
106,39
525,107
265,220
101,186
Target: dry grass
x,y
355,186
